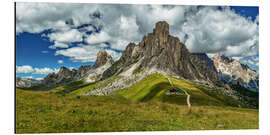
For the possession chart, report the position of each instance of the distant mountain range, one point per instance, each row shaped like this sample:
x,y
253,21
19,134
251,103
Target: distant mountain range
x,y
231,71
26,82
158,52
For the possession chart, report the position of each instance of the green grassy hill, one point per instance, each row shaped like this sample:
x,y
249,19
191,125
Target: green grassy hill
x,y
142,107
155,86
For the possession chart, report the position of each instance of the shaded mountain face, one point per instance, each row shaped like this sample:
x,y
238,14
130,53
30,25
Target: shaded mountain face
x,y
208,61
82,71
26,82
233,72
161,52
66,75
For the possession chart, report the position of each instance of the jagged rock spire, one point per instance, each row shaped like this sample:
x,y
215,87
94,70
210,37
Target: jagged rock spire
x,y
102,58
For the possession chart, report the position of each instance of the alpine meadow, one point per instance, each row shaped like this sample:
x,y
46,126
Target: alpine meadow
x,y
124,67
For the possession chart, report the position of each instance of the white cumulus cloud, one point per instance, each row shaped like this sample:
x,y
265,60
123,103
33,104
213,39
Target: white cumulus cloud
x,y
85,53
58,45
206,29
67,36
44,71
221,31
29,69
24,69
60,61
98,38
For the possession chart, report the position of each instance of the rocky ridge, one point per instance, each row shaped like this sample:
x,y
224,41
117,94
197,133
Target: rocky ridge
x,y
89,73
26,82
231,71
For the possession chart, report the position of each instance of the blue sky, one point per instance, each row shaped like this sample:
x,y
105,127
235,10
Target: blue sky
x,y
77,32
32,49
246,11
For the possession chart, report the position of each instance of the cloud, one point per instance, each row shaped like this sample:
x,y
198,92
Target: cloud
x,y
98,38
252,61
206,29
124,31
24,69
221,31
29,69
119,44
39,79
85,53
28,77
44,71
67,36
31,77
58,45
37,17
60,61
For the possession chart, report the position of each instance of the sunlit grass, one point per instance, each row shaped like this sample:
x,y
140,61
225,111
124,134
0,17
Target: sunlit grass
x,y
44,112
142,107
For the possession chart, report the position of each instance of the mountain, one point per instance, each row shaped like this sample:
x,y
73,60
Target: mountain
x,y
89,73
103,62
26,82
232,72
160,52
103,58
208,61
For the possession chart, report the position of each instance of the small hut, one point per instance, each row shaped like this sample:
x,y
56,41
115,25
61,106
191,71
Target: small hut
x,y
173,91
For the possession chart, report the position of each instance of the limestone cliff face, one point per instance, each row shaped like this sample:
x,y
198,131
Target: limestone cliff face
x,y
233,72
163,52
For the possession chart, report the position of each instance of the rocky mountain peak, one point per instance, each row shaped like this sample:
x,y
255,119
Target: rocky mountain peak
x,y
63,70
161,52
162,29
102,58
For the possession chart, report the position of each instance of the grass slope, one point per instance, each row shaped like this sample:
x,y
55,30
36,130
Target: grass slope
x,y
74,88
46,112
99,84
71,85
155,86
142,107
